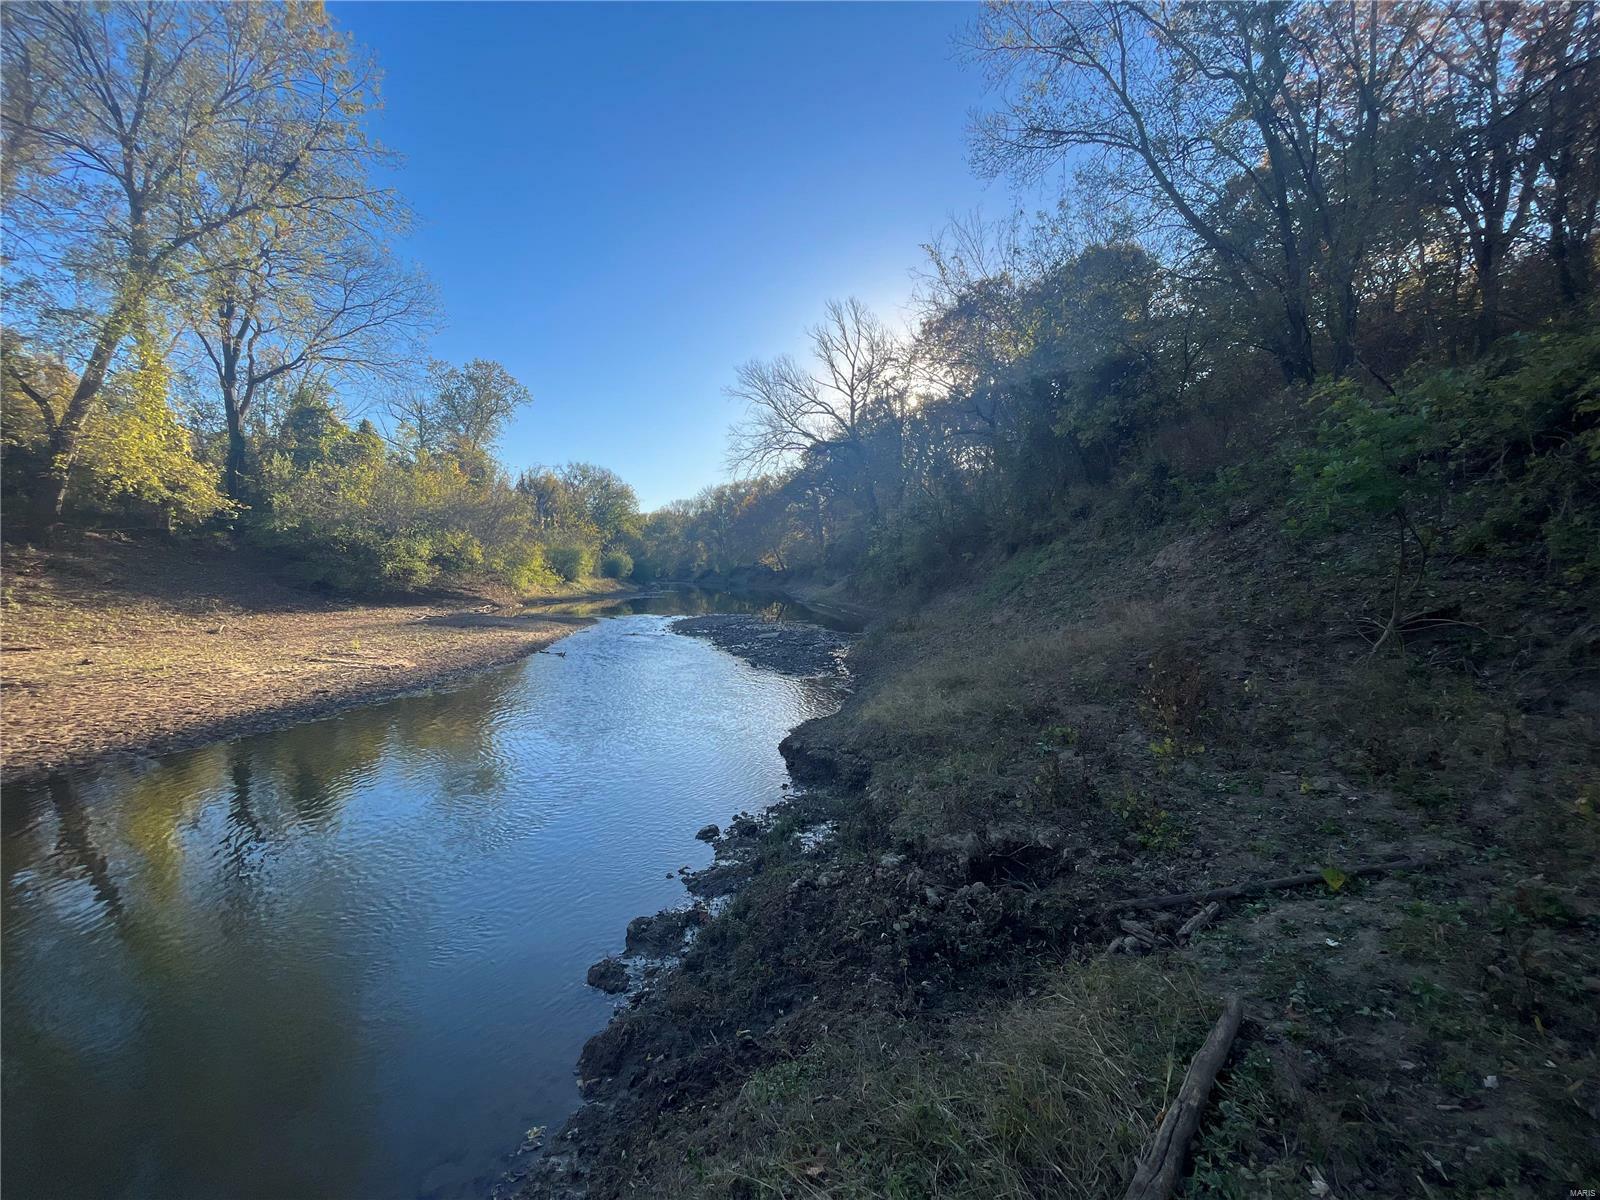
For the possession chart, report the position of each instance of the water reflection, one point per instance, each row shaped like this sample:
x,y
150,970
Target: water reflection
x,y
346,959
693,601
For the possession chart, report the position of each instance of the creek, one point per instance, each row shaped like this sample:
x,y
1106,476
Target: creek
x,y
346,959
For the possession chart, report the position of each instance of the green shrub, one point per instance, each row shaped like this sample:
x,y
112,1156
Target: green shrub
x,y
1369,458
136,454
570,563
523,568
359,561
617,564
456,550
357,519
406,563
1494,456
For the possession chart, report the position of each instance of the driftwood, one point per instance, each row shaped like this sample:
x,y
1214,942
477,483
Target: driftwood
x,y
1199,921
1238,890
1142,932
1143,937
1157,1176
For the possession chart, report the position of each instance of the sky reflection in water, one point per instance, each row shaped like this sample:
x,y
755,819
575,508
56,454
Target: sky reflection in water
x,y
347,959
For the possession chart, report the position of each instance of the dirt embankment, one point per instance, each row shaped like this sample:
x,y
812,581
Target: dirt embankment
x,y
927,980
113,648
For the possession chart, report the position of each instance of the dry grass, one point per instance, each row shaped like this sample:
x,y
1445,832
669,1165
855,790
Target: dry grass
x,y
1048,1096
981,678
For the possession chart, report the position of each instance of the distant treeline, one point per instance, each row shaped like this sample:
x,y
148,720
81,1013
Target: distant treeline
x,y
1343,250
1347,250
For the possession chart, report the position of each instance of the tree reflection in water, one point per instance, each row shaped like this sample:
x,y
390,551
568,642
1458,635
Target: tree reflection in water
x,y
347,958
177,859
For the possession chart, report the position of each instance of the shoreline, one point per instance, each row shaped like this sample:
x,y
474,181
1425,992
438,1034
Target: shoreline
x,y
267,720
949,913
113,653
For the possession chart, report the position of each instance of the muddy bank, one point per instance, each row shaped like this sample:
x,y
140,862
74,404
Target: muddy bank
x,y
113,649
916,951
788,647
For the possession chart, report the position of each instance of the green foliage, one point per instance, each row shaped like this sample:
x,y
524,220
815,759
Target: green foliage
x,y
602,502
136,447
1499,455
311,431
570,563
1152,826
646,570
457,552
355,516
461,412
1371,458
617,564
749,522
135,454
1522,431
357,519
522,567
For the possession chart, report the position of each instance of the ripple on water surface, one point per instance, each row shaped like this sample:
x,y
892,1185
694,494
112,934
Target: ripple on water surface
x,y
347,958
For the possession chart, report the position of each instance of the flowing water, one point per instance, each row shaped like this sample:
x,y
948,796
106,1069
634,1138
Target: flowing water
x,y
346,959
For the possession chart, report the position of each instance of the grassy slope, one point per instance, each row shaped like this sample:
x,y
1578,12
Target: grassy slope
x,y
925,1007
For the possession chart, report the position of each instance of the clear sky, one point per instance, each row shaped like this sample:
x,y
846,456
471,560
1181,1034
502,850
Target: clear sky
x,y
622,203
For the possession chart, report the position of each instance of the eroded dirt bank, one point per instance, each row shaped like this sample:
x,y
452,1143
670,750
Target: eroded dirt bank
x,y
114,648
925,981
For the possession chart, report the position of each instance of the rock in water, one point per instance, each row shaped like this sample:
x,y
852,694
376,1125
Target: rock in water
x,y
609,975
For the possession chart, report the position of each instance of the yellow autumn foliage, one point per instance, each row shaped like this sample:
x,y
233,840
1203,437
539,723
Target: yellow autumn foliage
x,y
134,447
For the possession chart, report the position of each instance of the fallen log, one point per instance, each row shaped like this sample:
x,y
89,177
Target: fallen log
x,y
1199,921
1142,932
1238,890
1157,1174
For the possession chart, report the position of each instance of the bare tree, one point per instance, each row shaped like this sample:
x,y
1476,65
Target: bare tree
x,y
298,297
1563,43
1105,77
1256,126
1481,160
792,410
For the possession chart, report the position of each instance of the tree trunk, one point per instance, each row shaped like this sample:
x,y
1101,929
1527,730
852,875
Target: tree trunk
x,y
50,493
1344,328
230,346
50,496
1299,365
1560,248
233,467
1487,326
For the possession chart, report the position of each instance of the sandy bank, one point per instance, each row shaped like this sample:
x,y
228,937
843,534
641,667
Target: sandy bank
x,y
113,649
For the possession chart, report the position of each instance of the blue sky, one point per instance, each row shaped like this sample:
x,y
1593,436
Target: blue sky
x,y
622,203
